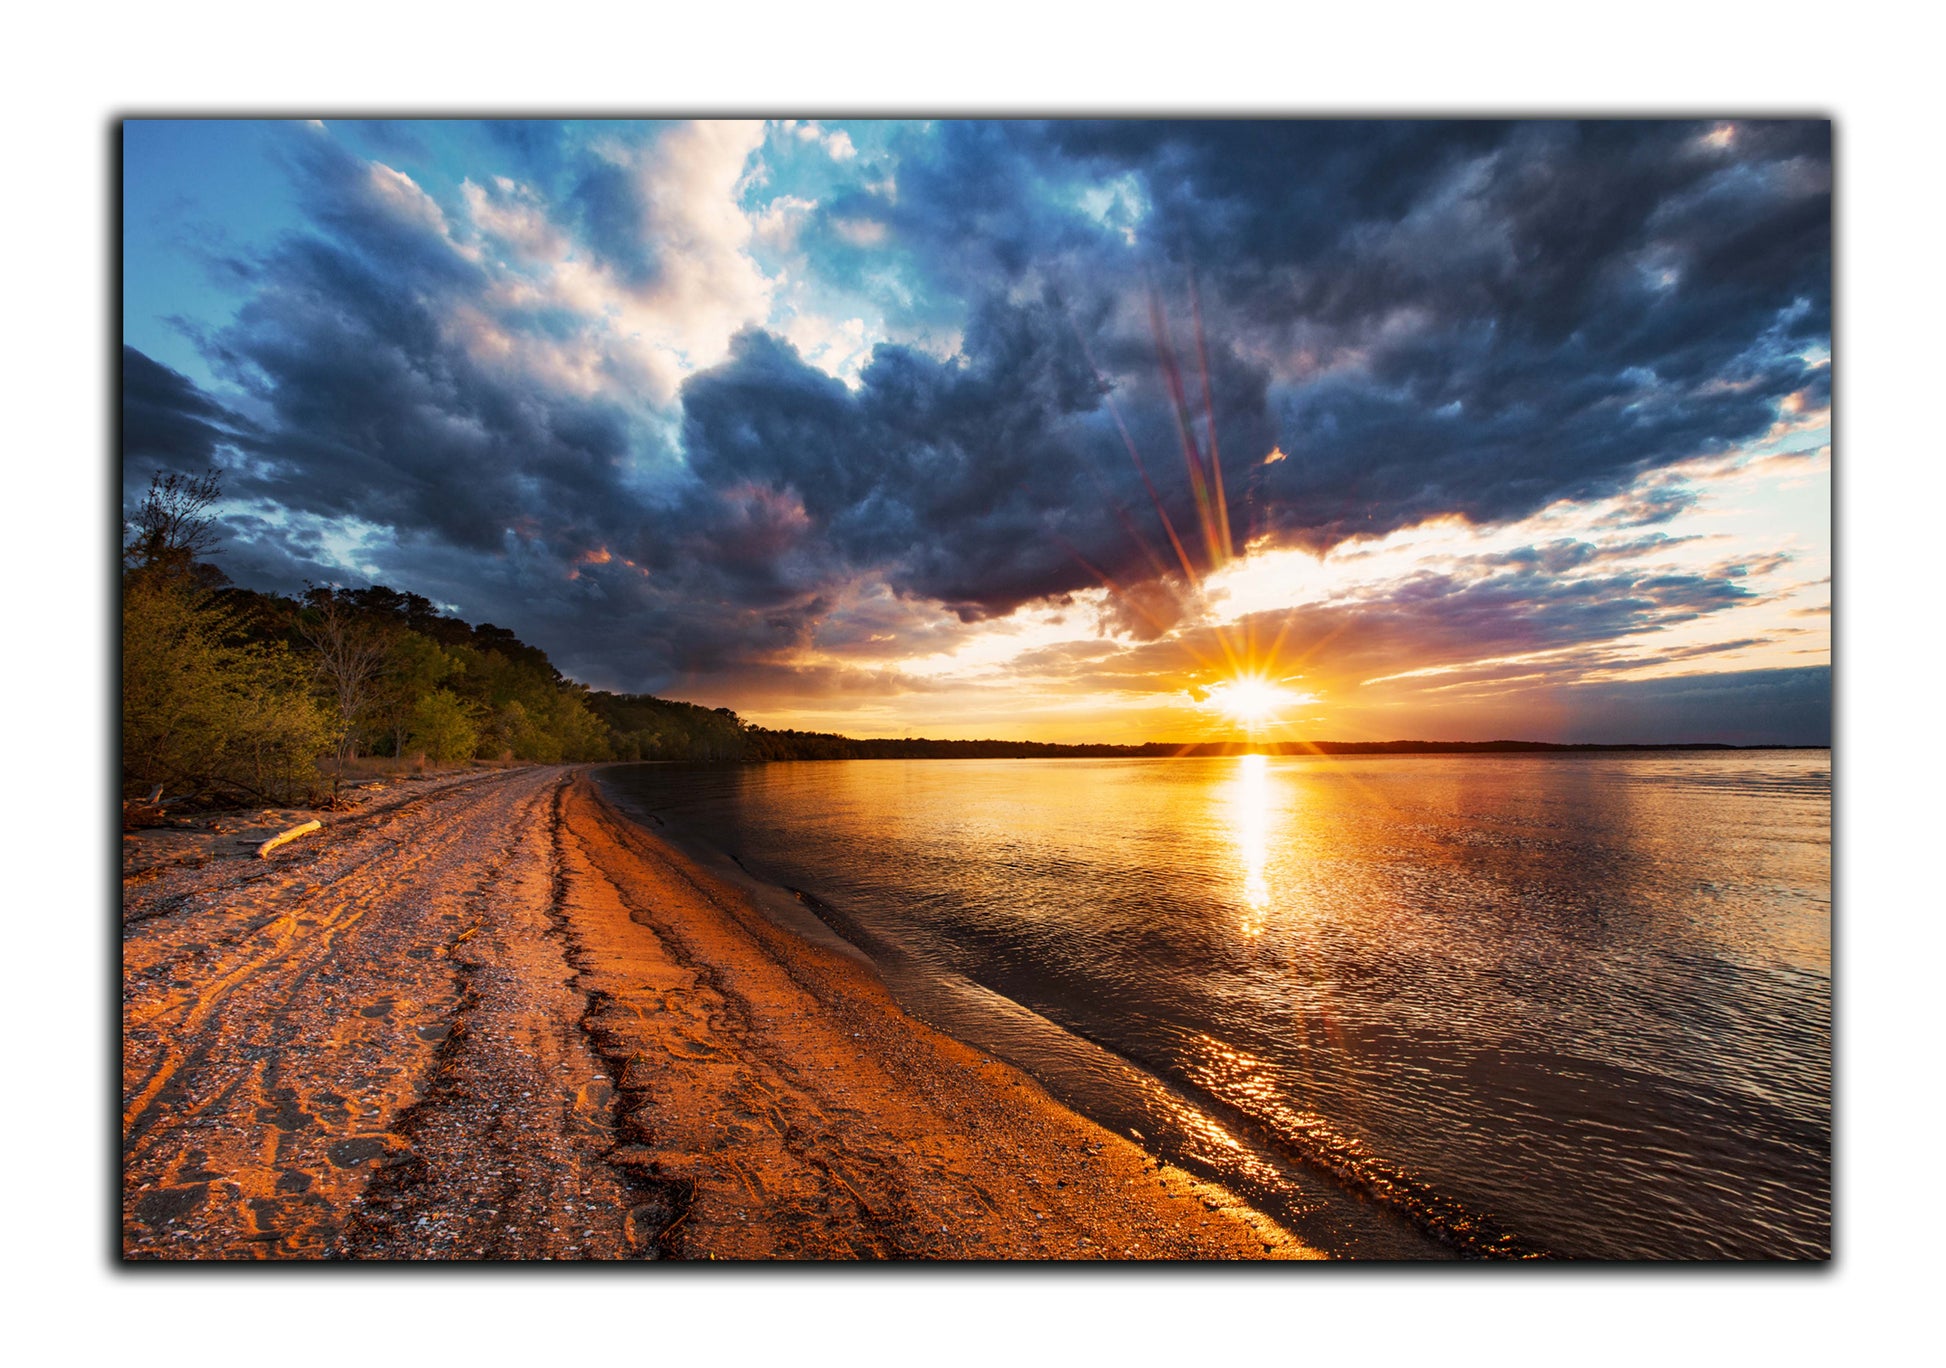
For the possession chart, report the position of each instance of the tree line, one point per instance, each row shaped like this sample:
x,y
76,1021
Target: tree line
x,y
231,694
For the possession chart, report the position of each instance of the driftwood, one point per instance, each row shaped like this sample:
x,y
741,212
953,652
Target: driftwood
x,y
143,812
263,851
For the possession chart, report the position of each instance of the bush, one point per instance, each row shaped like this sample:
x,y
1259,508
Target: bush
x,y
443,727
205,710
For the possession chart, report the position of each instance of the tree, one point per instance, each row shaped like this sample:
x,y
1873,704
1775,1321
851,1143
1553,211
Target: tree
x,y
512,734
349,651
414,666
205,709
172,528
208,703
443,727
583,735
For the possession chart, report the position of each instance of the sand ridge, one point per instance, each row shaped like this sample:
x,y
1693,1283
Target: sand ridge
x,y
493,1019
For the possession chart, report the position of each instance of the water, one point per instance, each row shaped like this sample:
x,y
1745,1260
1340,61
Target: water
x,y
1411,1005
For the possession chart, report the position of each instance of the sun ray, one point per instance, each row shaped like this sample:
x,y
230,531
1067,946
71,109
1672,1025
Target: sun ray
x,y
1209,421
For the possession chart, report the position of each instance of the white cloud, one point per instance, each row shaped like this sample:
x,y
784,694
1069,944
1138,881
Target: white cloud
x,y
777,224
860,232
1121,204
840,350
514,214
708,286
400,197
642,337
403,198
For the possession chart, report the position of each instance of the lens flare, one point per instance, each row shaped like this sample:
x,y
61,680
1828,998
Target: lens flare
x,y
1250,670
1250,700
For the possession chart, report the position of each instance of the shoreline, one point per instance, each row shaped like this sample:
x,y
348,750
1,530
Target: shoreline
x,y
498,1020
1327,1208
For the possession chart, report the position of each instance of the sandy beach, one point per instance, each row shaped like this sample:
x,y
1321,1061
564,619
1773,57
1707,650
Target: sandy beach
x,y
484,1017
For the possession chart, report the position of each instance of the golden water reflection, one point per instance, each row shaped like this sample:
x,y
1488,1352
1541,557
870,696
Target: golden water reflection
x,y
1250,803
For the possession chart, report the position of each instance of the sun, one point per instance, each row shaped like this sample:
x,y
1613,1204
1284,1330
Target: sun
x,y
1249,700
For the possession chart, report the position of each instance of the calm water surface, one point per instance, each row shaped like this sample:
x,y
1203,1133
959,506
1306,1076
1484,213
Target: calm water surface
x,y
1412,1005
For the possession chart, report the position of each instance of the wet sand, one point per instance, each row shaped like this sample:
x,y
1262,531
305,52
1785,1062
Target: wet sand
x,y
484,1017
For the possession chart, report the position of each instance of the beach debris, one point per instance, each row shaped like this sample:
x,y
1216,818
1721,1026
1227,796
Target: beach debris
x,y
263,851
144,812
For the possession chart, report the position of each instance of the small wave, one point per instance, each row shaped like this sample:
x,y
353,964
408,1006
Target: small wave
x,y
1241,1096
1472,1233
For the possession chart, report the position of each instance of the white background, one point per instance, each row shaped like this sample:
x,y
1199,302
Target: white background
x,y
70,78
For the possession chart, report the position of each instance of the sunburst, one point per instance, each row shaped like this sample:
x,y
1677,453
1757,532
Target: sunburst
x,y
1250,700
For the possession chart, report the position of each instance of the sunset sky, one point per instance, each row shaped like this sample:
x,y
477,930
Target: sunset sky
x,y
885,427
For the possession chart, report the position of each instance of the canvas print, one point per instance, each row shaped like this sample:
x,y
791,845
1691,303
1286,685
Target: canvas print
x,y
976,689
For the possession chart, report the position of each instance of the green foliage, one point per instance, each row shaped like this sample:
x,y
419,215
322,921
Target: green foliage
x,y
232,692
414,665
204,707
549,729
511,734
583,735
443,727
646,728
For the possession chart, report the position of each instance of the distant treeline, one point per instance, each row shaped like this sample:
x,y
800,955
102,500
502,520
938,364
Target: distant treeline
x,y
229,694
646,728
730,739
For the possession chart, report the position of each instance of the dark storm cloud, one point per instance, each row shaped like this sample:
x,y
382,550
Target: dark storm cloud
x,y
170,424
1534,225
1461,318
615,221
1428,319
1569,553
977,480
472,518
1483,318
986,481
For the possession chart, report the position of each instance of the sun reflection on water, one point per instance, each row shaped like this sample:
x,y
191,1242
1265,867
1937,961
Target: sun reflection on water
x,y
1250,828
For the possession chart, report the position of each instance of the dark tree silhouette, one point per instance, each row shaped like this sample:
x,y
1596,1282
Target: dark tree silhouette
x,y
173,528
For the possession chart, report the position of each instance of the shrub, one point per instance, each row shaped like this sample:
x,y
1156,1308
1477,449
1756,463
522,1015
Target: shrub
x,y
205,710
443,727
